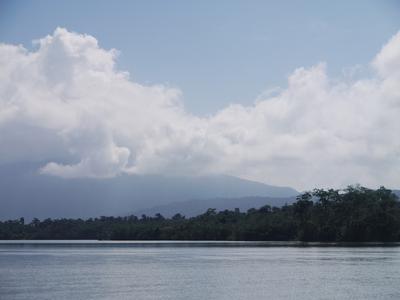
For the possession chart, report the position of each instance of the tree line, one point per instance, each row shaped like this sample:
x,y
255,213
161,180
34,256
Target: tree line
x,y
355,214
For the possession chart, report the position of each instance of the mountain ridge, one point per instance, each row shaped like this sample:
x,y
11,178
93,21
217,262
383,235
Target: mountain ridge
x,y
25,193
196,207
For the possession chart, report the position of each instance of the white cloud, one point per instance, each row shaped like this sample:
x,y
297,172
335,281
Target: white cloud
x,y
67,105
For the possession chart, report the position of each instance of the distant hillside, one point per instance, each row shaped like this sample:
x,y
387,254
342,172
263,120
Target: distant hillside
x,y
198,206
25,193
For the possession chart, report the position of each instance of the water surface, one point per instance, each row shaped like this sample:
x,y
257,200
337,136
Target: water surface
x,y
202,270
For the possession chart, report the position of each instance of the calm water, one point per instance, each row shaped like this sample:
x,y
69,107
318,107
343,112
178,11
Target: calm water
x,y
197,271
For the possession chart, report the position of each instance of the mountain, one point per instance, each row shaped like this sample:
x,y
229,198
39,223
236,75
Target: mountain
x,y
198,206
25,193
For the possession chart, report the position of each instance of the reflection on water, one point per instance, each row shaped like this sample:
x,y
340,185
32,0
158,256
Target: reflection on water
x,y
152,270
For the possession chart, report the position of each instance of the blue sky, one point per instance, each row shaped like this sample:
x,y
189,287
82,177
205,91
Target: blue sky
x,y
216,52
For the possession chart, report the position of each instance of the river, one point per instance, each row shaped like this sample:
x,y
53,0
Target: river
x,y
200,270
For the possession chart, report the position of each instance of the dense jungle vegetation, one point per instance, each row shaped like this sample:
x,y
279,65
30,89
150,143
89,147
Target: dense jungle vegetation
x,y
356,214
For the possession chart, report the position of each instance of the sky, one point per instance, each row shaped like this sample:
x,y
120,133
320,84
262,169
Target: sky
x,y
216,54
290,93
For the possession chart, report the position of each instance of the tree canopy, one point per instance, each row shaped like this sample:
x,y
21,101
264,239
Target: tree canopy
x,y
356,214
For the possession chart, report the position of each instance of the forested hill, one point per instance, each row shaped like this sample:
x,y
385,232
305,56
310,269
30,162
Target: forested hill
x,y
355,214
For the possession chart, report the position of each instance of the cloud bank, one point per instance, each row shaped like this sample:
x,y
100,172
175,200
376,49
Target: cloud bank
x,y
66,104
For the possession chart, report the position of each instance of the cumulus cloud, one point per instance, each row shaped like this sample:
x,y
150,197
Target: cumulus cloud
x,y
66,104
